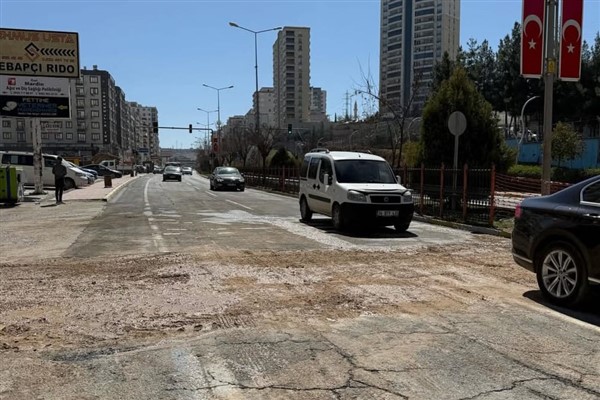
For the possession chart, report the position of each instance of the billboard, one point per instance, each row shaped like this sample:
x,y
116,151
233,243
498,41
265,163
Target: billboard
x,y
39,53
30,96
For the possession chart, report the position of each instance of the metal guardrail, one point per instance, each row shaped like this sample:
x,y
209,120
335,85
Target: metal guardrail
x,y
472,196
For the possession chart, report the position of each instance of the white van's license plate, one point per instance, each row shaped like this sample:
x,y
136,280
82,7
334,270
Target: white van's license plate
x,y
388,213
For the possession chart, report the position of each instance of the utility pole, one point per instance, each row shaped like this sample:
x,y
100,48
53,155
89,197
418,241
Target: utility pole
x,y
548,95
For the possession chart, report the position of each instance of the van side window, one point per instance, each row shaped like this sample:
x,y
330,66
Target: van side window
x,y
17,159
304,167
312,169
49,162
325,169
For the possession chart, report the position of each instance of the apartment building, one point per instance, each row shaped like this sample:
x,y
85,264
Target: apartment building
x,y
291,75
318,105
267,107
102,121
414,36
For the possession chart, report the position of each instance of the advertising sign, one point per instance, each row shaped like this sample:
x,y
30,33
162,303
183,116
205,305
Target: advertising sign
x,y
51,126
39,53
28,96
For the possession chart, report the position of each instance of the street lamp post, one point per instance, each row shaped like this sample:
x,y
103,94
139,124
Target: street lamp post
x,y
255,66
207,116
409,125
523,126
218,110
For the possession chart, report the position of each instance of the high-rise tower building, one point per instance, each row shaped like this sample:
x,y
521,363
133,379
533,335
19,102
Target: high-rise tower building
x,y
414,36
291,75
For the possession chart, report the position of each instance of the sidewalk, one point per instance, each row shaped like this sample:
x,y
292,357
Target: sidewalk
x,y
94,192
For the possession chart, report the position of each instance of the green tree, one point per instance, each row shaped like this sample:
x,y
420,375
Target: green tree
x,y
513,89
282,158
480,144
567,144
480,62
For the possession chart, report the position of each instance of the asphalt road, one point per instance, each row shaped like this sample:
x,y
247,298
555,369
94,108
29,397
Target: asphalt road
x,y
173,291
150,215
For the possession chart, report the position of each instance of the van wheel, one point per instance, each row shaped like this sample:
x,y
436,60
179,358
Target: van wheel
x,y
339,221
305,212
401,226
69,183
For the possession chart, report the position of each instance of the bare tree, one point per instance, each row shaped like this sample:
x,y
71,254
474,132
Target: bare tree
x,y
399,113
264,141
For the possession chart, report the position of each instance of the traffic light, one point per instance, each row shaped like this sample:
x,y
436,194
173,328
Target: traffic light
x,y
215,144
289,129
155,127
190,127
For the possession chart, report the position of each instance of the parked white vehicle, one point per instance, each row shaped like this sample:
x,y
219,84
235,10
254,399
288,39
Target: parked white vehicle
x,y
75,177
353,188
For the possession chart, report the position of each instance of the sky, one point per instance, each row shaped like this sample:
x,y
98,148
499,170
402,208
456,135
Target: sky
x,y
161,52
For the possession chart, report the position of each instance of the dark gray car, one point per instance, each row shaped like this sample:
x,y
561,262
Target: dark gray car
x,y
227,178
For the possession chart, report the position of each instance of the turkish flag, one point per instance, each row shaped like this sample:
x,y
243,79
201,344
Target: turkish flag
x,y
570,40
532,38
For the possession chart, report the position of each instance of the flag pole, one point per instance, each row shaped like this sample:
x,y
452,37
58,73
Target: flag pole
x,y
548,95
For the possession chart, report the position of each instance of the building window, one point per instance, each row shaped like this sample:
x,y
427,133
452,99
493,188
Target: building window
x,y
20,124
94,102
45,135
93,79
58,136
81,125
20,136
94,91
81,91
80,114
6,123
68,124
6,135
81,137
81,103
95,136
95,114
95,125
69,135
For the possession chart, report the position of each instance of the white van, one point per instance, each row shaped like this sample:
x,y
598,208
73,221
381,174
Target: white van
x,y
353,188
112,164
75,177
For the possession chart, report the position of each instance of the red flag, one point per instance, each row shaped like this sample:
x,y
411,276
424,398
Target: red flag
x,y
570,40
532,38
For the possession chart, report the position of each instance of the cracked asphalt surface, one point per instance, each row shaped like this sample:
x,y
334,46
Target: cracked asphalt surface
x,y
193,297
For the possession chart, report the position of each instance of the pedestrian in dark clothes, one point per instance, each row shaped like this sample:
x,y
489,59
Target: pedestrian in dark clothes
x,y
59,171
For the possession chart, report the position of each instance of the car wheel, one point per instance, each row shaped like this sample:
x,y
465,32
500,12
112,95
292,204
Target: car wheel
x,y
339,220
561,274
69,184
305,211
401,226
242,189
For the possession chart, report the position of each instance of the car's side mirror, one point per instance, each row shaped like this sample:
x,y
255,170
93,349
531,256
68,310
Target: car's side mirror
x,y
398,179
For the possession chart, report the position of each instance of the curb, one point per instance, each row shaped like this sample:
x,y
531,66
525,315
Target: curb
x,y
116,189
464,227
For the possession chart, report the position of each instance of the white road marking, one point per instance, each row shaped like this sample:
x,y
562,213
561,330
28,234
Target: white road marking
x,y
238,204
211,194
157,238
